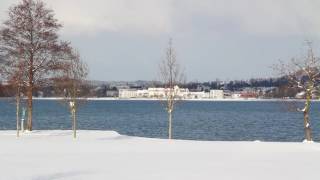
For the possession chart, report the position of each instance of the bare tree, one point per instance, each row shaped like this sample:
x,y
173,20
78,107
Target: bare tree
x,y
304,75
72,84
31,31
171,75
14,74
17,82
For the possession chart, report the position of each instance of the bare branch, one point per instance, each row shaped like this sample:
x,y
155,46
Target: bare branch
x,y
171,77
30,37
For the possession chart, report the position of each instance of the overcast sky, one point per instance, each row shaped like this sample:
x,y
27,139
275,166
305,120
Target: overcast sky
x,y
214,39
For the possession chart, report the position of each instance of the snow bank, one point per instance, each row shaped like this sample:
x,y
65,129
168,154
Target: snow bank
x,y
51,155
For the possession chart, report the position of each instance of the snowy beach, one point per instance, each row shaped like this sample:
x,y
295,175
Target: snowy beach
x,y
50,155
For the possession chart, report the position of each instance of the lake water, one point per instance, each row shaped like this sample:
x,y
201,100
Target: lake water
x,y
198,120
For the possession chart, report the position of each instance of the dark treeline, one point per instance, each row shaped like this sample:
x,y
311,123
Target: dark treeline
x,y
44,91
237,85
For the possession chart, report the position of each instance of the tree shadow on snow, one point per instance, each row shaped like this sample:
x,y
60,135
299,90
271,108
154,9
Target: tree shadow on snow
x,y
122,137
60,175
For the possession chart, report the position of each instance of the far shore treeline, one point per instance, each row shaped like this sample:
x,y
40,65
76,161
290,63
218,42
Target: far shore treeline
x,y
271,87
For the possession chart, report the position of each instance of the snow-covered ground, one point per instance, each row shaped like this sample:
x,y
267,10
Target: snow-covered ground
x,y
55,155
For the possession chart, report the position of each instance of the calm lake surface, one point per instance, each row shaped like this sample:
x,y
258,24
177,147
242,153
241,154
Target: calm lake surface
x,y
198,120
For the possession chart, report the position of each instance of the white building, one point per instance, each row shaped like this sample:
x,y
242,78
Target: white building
x,y
142,93
127,93
156,92
182,93
152,93
198,95
161,92
236,95
216,94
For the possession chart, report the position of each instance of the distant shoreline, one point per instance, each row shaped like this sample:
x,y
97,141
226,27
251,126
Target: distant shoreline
x,y
150,99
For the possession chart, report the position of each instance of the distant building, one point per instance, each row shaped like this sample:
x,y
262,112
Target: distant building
x,y
182,93
127,93
198,95
152,93
236,95
143,93
161,92
227,94
156,92
216,94
112,93
249,94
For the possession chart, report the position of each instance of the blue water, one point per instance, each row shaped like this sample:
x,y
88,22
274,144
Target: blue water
x,y
226,121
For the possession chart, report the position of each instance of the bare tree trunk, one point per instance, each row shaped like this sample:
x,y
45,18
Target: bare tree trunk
x,y
30,104
74,124
307,127
171,76
29,94
73,119
170,124
17,112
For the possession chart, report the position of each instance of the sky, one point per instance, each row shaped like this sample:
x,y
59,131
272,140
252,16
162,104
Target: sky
x,y
214,39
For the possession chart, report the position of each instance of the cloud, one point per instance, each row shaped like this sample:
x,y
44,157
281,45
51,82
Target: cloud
x,y
144,16
264,16
171,16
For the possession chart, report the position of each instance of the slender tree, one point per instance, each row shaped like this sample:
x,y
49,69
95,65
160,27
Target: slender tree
x,y
15,75
17,82
71,85
171,75
31,32
304,75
